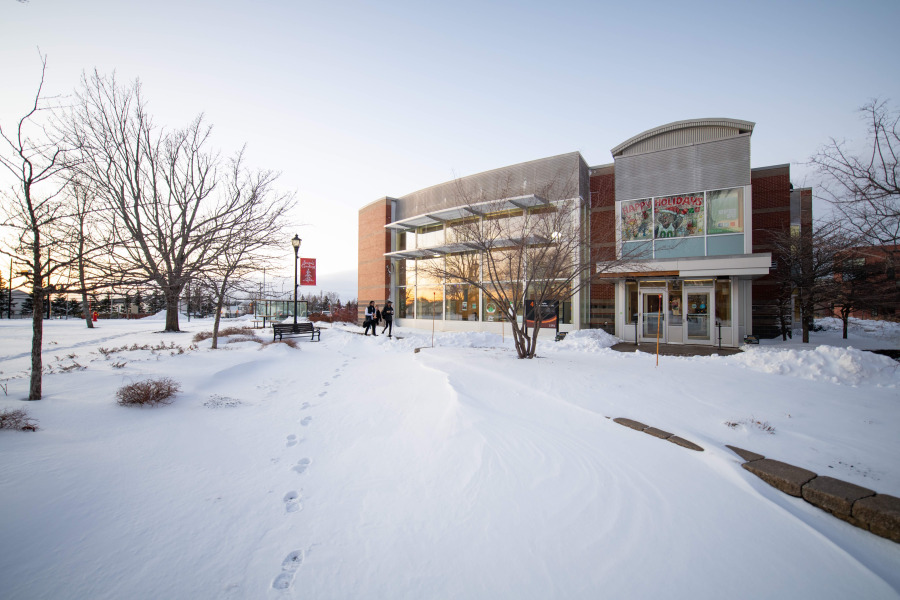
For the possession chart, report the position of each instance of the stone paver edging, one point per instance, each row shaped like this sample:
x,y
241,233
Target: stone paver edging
x,y
859,506
659,433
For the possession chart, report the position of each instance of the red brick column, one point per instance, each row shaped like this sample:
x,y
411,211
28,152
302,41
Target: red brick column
x,y
373,278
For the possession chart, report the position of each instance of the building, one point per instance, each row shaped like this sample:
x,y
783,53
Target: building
x,y
679,201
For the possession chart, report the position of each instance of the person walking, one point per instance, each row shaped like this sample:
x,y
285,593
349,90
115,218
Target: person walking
x,y
370,319
387,313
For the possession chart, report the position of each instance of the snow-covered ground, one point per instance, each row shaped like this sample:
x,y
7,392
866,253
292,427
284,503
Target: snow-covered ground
x,y
358,468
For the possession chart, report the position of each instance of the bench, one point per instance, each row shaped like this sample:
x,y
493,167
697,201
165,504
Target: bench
x,y
279,330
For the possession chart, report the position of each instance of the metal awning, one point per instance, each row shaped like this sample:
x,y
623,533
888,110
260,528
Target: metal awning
x,y
471,210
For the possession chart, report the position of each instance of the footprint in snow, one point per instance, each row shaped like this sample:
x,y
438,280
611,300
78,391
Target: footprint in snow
x,y
327,383
305,421
292,501
291,440
301,466
322,394
336,375
289,568
304,406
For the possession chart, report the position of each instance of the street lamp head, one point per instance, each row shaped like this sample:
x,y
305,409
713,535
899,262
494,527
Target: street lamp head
x,y
295,242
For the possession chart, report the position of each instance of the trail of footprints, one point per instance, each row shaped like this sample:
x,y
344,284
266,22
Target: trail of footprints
x,y
291,563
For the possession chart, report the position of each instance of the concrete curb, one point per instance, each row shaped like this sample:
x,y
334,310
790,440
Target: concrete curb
x,y
859,506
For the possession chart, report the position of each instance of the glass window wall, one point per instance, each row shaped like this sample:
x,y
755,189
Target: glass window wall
x,y
461,302
631,302
429,302
675,307
430,236
405,302
723,302
725,211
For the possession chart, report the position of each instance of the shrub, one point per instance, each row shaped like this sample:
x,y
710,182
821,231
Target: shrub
x,y
149,392
244,331
243,338
18,420
288,342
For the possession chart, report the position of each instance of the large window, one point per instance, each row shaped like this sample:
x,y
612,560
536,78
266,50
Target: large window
x,y
725,210
405,300
637,220
429,301
461,302
431,236
675,308
723,302
707,223
678,216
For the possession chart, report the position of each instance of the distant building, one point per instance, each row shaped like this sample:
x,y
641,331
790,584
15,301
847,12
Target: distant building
x,y
682,196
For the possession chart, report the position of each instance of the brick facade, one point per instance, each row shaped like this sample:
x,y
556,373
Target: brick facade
x,y
771,207
602,305
373,277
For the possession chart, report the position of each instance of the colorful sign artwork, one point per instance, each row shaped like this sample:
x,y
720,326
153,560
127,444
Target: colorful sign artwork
x,y
637,220
307,271
678,216
726,211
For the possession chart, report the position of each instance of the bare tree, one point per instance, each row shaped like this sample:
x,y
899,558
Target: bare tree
x,y
865,187
245,247
160,188
807,266
34,158
519,251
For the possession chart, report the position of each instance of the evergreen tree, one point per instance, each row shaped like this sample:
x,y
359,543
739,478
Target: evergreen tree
x,y
27,305
4,297
58,305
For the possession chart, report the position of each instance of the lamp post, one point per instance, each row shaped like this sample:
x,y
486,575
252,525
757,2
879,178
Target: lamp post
x,y
295,242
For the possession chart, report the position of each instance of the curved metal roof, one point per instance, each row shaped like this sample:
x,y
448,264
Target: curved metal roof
x,y
741,126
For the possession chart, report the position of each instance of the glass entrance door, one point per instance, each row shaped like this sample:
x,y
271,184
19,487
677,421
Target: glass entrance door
x,y
698,311
652,317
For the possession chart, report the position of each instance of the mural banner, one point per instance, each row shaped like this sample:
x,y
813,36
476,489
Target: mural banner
x,y
307,271
679,216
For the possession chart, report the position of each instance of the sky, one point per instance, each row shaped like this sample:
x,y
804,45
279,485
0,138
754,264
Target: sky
x,y
353,101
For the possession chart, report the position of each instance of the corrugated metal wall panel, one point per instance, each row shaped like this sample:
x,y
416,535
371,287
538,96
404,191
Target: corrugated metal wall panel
x,y
553,178
681,137
704,166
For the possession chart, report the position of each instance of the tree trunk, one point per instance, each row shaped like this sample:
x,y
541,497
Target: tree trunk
x,y
171,310
845,317
37,325
86,309
220,301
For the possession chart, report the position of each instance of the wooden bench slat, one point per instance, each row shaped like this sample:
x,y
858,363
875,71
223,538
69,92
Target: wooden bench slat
x,y
279,330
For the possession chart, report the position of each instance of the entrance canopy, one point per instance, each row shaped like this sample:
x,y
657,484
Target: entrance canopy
x,y
740,265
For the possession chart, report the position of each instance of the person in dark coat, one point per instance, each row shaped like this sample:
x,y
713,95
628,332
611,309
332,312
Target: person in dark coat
x,y
370,319
387,313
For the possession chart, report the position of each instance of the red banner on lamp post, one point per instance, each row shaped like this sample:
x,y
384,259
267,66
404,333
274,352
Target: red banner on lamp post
x,y
307,271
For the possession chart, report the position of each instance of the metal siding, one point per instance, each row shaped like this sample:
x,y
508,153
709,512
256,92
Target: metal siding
x,y
706,166
559,177
681,137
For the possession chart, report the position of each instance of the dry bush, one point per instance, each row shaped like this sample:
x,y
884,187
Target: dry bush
x,y
764,426
242,338
17,420
291,343
148,392
248,331
227,331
